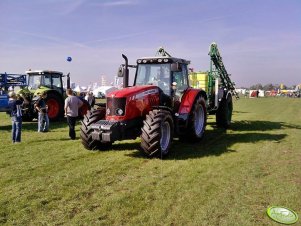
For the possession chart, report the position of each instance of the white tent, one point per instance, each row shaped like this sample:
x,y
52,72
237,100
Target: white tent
x,y
261,93
77,89
103,91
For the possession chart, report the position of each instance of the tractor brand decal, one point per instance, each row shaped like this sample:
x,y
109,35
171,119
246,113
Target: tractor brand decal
x,y
282,215
143,94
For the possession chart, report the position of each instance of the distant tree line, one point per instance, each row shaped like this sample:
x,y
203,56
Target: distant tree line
x,y
269,86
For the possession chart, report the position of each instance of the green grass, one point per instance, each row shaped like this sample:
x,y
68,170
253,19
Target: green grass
x,y
230,178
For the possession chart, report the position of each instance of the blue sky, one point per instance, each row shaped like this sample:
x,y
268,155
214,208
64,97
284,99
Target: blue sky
x,y
259,40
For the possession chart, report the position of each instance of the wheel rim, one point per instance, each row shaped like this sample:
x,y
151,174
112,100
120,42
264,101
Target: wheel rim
x,y
199,120
165,136
53,108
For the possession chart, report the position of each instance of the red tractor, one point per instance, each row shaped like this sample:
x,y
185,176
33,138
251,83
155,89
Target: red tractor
x,y
158,107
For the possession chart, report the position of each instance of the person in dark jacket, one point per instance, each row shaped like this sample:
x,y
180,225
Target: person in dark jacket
x,y
42,108
16,116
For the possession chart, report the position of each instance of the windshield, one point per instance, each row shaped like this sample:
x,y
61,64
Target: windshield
x,y
48,80
154,74
34,81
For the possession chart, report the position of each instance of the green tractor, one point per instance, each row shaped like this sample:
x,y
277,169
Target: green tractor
x,y
47,81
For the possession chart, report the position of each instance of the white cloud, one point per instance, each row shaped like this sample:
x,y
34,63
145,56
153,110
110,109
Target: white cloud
x,y
71,6
118,3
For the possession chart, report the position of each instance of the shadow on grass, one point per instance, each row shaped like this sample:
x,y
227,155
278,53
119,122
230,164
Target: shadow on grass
x,y
125,146
50,139
240,112
33,126
246,125
214,143
217,142
261,126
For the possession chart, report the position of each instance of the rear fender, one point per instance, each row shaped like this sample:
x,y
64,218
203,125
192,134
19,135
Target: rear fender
x,y
228,94
56,93
188,100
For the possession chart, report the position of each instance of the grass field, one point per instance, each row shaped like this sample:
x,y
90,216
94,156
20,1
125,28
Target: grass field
x,y
230,178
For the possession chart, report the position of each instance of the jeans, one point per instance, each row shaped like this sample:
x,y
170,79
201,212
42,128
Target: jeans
x,y
43,122
71,123
16,129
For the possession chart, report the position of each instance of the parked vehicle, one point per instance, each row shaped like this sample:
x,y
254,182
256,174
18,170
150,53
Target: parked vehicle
x,y
51,83
160,105
7,82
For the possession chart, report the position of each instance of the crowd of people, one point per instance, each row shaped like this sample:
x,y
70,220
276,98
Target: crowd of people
x,y
71,108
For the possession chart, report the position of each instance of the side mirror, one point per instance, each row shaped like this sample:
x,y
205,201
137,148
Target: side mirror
x,y
121,71
176,67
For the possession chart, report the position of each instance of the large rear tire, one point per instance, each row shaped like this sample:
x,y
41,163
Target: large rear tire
x,y
197,121
86,130
224,112
157,133
55,106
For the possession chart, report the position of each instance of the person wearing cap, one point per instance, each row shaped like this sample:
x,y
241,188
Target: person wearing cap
x,y
16,116
72,105
41,107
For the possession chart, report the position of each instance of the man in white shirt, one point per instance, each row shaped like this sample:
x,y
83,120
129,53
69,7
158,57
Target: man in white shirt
x,y
72,104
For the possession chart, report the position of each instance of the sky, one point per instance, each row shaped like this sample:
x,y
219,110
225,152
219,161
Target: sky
x,y
259,40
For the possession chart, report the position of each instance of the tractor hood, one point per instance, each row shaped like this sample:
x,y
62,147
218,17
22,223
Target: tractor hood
x,y
136,92
131,103
41,89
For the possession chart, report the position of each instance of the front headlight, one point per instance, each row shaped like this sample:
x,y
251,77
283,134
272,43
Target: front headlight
x,y
119,111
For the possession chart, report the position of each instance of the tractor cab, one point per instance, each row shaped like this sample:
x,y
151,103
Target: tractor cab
x,y
168,73
47,79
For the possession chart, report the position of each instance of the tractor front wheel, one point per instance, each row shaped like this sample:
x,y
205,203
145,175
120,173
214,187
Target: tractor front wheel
x,y
86,130
157,133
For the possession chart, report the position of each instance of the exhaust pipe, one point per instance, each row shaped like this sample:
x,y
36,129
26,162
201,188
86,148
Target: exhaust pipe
x,y
68,80
126,73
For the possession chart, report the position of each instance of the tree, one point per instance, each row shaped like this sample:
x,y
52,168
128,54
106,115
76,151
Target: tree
x,y
256,87
269,87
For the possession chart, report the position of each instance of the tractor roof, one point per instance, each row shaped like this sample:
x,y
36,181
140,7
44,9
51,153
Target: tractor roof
x,y
161,59
42,72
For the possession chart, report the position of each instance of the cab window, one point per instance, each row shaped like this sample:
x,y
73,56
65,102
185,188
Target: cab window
x,y
180,77
56,80
47,80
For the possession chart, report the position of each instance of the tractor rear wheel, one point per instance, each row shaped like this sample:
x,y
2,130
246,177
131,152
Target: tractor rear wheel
x,y
197,121
224,112
157,133
55,106
86,130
